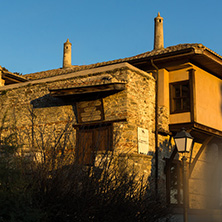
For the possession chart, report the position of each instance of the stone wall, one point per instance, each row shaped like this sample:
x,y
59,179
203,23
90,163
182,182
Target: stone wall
x,y
30,109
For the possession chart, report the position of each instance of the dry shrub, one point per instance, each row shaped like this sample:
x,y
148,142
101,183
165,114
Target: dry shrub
x,y
50,185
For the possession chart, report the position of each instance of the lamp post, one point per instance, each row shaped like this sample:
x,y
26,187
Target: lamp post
x,y
183,141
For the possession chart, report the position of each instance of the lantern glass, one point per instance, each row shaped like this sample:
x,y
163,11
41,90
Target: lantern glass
x,y
189,144
180,143
183,141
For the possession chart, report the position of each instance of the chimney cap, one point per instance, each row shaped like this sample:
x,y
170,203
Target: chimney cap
x,y
158,16
68,42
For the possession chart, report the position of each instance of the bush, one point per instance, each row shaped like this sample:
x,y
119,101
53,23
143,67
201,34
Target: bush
x,y
15,194
77,193
56,188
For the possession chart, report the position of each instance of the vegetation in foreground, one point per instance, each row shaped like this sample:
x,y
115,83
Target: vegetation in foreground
x,y
56,188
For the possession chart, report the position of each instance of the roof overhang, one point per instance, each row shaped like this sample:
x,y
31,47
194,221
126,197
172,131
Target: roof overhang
x,y
11,78
198,131
202,57
88,91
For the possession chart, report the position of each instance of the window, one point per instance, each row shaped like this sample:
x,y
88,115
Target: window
x,y
90,139
179,97
174,183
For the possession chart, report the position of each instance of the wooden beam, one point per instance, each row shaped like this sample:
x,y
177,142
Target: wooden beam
x,y
205,143
99,122
88,89
13,77
192,86
207,129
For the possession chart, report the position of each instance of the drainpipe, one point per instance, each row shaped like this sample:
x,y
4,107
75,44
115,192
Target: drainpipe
x,y
156,131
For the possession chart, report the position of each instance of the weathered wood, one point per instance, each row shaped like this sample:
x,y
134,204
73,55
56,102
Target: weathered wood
x,y
192,94
208,129
99,122
90,140
196,127
87,89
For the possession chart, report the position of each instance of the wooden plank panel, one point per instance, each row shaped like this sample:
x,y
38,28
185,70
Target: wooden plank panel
x,y
84,147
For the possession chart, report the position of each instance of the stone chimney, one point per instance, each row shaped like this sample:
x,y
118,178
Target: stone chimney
x,y
158,33
67,57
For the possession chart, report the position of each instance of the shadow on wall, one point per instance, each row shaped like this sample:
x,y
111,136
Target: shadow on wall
x,y
49,101
158,180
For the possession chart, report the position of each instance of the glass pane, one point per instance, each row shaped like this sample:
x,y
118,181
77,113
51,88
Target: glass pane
x,y
180,101
180,143
189,143
185,90
177,91
186,104
177,104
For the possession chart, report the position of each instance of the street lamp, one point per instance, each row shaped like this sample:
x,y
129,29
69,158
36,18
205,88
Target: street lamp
x,y
183,141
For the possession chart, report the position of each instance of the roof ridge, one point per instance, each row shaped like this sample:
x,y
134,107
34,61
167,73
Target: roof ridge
x,y
61,71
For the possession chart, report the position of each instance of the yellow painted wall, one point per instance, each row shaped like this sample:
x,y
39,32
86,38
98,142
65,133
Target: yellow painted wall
x,y
163,88
179,75
180,118
208,99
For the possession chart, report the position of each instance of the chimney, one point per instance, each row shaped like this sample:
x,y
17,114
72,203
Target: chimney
x,y
158,33
67,51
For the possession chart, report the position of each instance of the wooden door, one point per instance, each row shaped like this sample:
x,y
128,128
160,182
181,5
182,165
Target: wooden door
x,y
91,139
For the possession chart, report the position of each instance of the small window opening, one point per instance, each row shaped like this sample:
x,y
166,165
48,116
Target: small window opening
x,y
179,97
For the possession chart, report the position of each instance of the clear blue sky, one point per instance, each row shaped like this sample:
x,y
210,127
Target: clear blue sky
x,y
33,32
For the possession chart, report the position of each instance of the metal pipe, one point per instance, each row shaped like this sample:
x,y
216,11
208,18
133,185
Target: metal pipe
x,y
185,193
156,132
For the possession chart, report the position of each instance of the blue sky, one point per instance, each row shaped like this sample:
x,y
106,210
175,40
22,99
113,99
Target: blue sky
x,y
33,32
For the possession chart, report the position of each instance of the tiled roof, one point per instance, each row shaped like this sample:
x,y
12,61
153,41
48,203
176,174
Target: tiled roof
x,y
61,71
88,81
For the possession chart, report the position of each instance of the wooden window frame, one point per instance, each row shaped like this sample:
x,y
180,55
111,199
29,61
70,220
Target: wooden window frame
x,y
181,97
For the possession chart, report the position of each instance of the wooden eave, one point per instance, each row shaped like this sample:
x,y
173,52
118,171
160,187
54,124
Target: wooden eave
x,y
83,91
198,131
203,58
13,78
163,60
209,62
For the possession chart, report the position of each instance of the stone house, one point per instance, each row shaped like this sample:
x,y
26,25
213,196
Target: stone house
x,y
134,106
